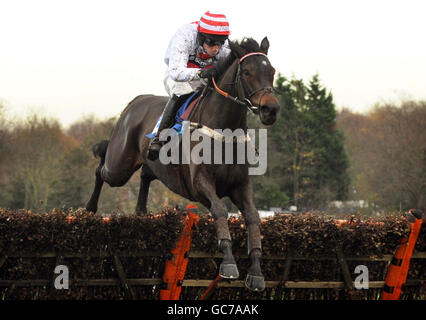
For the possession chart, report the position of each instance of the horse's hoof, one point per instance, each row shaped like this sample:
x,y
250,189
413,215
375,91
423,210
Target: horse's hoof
x,y
90,208
228,271
153,155
255,283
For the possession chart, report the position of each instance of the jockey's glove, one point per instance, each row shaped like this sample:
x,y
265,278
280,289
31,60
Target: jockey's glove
x,y
207,73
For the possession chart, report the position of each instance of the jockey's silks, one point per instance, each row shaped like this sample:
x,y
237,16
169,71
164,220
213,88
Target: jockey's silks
x,y
184,55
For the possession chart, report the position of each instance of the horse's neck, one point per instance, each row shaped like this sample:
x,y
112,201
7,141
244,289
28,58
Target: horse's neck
x,y
217,112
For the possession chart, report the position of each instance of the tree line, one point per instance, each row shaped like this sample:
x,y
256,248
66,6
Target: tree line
x,y
387,152
315,155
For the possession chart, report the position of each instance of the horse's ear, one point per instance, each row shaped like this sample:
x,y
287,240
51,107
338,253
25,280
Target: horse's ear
x,y
236,49
264,46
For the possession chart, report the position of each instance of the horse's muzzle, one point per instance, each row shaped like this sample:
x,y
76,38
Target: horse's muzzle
x,y
268,113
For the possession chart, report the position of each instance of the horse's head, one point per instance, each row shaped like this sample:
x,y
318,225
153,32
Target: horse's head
x,y
256,76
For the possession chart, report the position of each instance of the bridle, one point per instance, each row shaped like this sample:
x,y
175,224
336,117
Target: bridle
x,y
241,87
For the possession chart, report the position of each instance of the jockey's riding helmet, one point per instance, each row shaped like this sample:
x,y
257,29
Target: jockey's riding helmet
x,y
213,29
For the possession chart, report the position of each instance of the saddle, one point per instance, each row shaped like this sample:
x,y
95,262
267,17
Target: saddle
x,y
186,109
183,113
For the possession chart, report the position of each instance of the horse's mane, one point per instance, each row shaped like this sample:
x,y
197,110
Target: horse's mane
x,y
247,45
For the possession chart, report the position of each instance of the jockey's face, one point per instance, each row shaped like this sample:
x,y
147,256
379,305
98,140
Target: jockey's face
x,y
213,50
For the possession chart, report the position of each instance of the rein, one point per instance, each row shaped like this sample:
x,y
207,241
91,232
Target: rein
x,y
245,101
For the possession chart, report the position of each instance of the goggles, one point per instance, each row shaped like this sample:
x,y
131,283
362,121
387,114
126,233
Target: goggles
x,y
212,42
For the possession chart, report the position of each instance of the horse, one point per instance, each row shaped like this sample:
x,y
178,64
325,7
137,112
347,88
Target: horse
x,y
247,75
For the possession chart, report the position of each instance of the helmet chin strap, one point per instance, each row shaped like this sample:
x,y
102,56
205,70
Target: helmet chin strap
x,y
200,38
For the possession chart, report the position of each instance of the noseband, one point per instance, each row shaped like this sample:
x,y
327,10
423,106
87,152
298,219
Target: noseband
x,y
241,87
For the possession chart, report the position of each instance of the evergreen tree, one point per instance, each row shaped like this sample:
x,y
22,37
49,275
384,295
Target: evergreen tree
x,y
328,146
309,164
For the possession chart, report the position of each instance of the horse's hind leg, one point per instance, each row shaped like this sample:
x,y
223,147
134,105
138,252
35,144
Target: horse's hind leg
x,y
228,268
99,150
146,177
243,199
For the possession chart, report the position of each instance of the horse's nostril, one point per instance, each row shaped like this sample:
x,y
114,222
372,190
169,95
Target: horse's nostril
x,y
265,109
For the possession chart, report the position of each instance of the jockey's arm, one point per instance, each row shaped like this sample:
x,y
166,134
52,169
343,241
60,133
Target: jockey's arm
x,y
178,61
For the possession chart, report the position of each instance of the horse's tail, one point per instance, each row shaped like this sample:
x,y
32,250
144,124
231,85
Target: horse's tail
x,y
99,149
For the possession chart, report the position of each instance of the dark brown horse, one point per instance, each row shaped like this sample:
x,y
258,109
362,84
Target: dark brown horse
x,y
249,78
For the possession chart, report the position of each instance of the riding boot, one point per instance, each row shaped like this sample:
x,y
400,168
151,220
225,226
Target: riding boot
x,y
166,122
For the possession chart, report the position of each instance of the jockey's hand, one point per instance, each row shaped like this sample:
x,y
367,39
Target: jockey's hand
x,y
207,73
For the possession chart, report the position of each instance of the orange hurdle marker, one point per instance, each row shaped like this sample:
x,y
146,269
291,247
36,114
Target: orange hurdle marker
x,y
400,263
175,268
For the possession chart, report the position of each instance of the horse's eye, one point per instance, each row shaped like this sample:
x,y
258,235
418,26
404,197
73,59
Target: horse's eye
x,y
246,72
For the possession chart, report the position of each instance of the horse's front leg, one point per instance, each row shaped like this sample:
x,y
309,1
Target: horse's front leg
x,y
228,268
243,199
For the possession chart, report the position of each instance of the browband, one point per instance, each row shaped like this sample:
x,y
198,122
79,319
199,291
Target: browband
x,y
252,54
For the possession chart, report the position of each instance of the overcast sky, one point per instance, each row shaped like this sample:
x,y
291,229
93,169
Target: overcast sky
x,y
70,59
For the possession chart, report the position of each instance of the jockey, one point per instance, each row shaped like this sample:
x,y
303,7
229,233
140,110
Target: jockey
x,y
190,57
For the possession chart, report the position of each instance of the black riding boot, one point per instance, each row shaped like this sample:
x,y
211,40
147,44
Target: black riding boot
x,y
169,114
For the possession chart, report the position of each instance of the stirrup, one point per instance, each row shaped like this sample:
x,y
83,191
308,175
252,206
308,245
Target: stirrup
x,y
154,148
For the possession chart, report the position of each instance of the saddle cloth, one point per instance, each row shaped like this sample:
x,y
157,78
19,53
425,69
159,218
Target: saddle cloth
x,y
182,114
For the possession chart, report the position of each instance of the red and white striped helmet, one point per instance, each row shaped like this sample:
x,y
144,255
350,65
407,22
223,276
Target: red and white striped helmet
x,y
214,23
